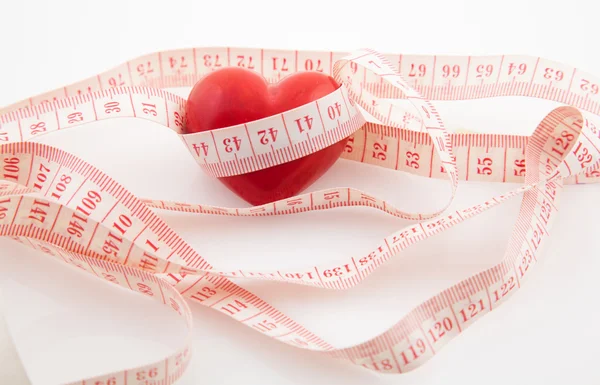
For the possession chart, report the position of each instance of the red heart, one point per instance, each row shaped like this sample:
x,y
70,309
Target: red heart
x,y
232,96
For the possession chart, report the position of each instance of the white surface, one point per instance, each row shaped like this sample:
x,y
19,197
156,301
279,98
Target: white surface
x,y
67,325
12,368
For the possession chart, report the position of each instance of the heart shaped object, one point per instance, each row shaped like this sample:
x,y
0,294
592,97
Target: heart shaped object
x,y
232,96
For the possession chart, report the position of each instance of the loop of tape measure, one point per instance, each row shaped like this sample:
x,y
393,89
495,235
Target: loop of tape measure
x,y
59,204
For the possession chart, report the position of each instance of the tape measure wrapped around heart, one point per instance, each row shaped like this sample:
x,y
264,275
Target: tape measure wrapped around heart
x,y
253,138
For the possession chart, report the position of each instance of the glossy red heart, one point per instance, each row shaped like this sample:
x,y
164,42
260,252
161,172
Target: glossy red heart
x,y
232,96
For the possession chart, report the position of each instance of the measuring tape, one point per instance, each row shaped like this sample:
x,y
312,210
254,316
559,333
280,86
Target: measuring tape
x,y
54,202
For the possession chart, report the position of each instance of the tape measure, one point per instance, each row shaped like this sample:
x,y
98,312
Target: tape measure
x,y
63,206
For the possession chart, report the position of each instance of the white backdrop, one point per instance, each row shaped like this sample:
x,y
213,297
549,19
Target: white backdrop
x,y
67,325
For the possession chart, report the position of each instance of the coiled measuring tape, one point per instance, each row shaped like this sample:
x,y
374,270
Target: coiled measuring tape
x,y
63,206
